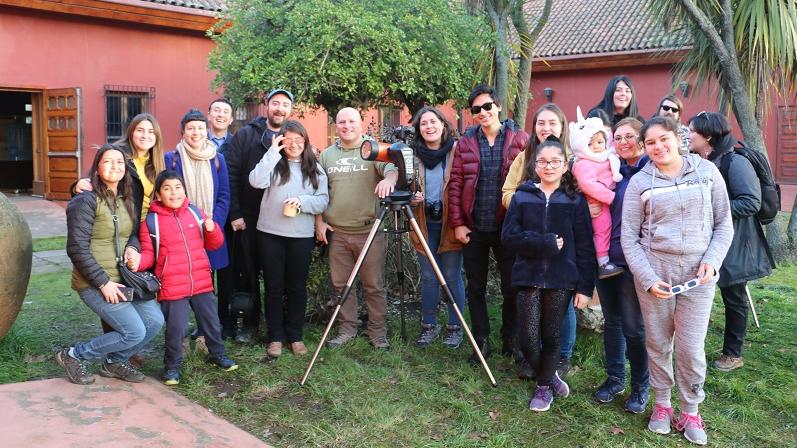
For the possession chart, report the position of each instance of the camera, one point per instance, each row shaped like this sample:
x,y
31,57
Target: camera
x,y
434,210
403,134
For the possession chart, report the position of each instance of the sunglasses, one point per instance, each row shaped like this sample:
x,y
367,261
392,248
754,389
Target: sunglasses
x,y
290,141
486,106
677,289
670,109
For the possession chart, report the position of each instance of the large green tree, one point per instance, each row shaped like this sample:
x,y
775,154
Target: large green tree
x,y
332,53
749,47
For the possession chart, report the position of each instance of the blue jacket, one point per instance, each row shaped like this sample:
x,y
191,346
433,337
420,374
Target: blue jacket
x,y
219,258
530,229
615,249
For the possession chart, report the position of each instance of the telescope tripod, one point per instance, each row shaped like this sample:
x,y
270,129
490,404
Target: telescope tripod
x,y
398,202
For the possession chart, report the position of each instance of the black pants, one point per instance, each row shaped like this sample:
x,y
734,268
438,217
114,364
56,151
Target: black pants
x,y
540,313
735,299
175,313
476,257
243,274
286,263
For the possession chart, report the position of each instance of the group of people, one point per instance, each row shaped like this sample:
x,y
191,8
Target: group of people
x,y
638,213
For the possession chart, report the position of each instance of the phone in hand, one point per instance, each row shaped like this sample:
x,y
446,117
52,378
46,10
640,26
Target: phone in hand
x,y
127,293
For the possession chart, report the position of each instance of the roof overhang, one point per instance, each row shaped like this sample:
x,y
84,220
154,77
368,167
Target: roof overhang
x,y
175,17
609,60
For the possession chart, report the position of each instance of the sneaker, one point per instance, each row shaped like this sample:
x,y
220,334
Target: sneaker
x,y
200,345
274,349
560,388
727,363
564,367
429,332
693,428
525,371
609,270
607,391
245,336
224,362
380,342
122,370
171,377
542,399
660,419
453,338
298,348
75,368
484,347
340,339
637,401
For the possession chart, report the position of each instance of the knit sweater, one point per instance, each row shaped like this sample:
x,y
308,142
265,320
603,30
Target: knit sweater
x,y
313,200
684,221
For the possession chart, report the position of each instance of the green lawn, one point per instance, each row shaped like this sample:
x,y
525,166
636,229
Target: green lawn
x,y
356,397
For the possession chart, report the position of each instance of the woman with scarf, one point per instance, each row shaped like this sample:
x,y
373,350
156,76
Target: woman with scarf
x,y
435,148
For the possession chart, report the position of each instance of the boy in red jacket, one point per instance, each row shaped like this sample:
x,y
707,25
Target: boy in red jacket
x,y
182,266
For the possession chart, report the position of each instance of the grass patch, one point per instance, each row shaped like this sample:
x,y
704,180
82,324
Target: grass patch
x,y
54,243
358,397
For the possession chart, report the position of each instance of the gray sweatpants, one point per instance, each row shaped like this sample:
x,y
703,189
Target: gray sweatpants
x,y
682,319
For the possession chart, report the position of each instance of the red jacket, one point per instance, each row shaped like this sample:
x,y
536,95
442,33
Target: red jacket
x,y
182,265
465,173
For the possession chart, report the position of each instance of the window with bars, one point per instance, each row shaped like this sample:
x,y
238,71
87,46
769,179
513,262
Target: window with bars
x,y
122,103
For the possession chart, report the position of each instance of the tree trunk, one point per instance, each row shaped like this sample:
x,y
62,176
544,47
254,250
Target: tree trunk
x,y
527,40
501,63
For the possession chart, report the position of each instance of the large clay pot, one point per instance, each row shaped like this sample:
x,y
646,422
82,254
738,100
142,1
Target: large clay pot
x,y
16,256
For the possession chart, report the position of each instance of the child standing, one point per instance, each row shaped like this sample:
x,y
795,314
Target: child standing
x,y
183,268
548,227
596,168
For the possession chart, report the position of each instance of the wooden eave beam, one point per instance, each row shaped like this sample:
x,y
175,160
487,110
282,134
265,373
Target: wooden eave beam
x,y
608,60
168,16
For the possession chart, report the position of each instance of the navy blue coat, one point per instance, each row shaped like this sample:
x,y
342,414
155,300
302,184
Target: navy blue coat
x,y
219,258
530,229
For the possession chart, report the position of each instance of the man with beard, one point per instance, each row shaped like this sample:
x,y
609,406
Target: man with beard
x,y
244,150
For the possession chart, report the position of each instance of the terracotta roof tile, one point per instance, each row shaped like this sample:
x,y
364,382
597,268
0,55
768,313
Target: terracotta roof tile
x,y
206,5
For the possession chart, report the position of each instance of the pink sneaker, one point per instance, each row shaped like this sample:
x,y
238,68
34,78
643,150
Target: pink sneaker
x,y
660,419
693,428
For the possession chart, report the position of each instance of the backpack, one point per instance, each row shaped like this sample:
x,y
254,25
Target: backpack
x,y
770,190
154,228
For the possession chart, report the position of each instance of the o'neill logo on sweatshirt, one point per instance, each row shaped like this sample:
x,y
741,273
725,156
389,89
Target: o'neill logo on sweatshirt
x,y
348,165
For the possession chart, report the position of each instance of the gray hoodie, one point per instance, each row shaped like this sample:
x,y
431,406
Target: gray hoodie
x,y
684,221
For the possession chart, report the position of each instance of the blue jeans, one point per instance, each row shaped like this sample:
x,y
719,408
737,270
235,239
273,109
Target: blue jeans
x,y
135,324
624,330
568,331
450,264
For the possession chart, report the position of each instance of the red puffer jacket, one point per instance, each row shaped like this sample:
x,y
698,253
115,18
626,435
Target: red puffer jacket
x,y
465,173
182,265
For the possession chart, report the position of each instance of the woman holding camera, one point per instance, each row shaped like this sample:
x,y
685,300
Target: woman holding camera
x,y
435,150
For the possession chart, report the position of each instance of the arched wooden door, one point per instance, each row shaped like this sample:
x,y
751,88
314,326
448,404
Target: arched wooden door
x,y
63,141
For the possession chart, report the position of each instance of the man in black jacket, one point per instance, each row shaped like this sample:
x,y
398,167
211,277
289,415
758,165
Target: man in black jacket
x,y
243,151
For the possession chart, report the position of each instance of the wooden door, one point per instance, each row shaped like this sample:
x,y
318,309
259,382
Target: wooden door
x,y
62,142
785,166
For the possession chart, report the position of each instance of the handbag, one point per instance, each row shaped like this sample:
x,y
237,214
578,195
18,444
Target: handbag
x,y
145,284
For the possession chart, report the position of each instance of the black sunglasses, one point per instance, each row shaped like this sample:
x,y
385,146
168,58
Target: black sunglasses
x,y
670,109
486,106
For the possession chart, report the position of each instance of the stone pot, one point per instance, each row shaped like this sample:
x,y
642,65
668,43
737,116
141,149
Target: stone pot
x,y
16,250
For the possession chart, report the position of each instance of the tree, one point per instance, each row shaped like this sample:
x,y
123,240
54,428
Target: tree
x,y
750,48
528,38
332,53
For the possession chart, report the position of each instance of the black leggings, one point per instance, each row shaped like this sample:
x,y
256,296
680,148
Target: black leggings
x,y
539,316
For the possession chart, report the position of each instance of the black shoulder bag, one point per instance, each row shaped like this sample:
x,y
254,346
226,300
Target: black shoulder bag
x,y
144,284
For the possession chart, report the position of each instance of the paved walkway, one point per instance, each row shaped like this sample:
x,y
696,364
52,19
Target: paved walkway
x,y
110,413
45,218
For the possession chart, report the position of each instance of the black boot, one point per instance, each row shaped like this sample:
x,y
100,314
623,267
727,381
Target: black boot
x,y
484,347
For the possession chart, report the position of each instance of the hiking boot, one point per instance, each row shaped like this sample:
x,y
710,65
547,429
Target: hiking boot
x,y
380,342
453,338
171,377
564,367
727,363
637,401
224,362
429,332
200,345
75,369
484,347
274,349
298,348
660,419
542,399
122,370
560,388
693,428
339,340
609,270
611,387
525,371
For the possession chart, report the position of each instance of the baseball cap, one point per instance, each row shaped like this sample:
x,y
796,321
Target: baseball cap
x,y
277,92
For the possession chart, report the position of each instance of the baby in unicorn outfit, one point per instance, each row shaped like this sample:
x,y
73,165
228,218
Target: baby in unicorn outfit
x,y
597,169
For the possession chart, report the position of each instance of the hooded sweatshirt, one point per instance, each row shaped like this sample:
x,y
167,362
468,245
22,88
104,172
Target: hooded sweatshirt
x,y
684,221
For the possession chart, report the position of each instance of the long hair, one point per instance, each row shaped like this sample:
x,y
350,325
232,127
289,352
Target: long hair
x,y
675,100
530,150
309,162
568,182
416,124
124,188
607,103
156,162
